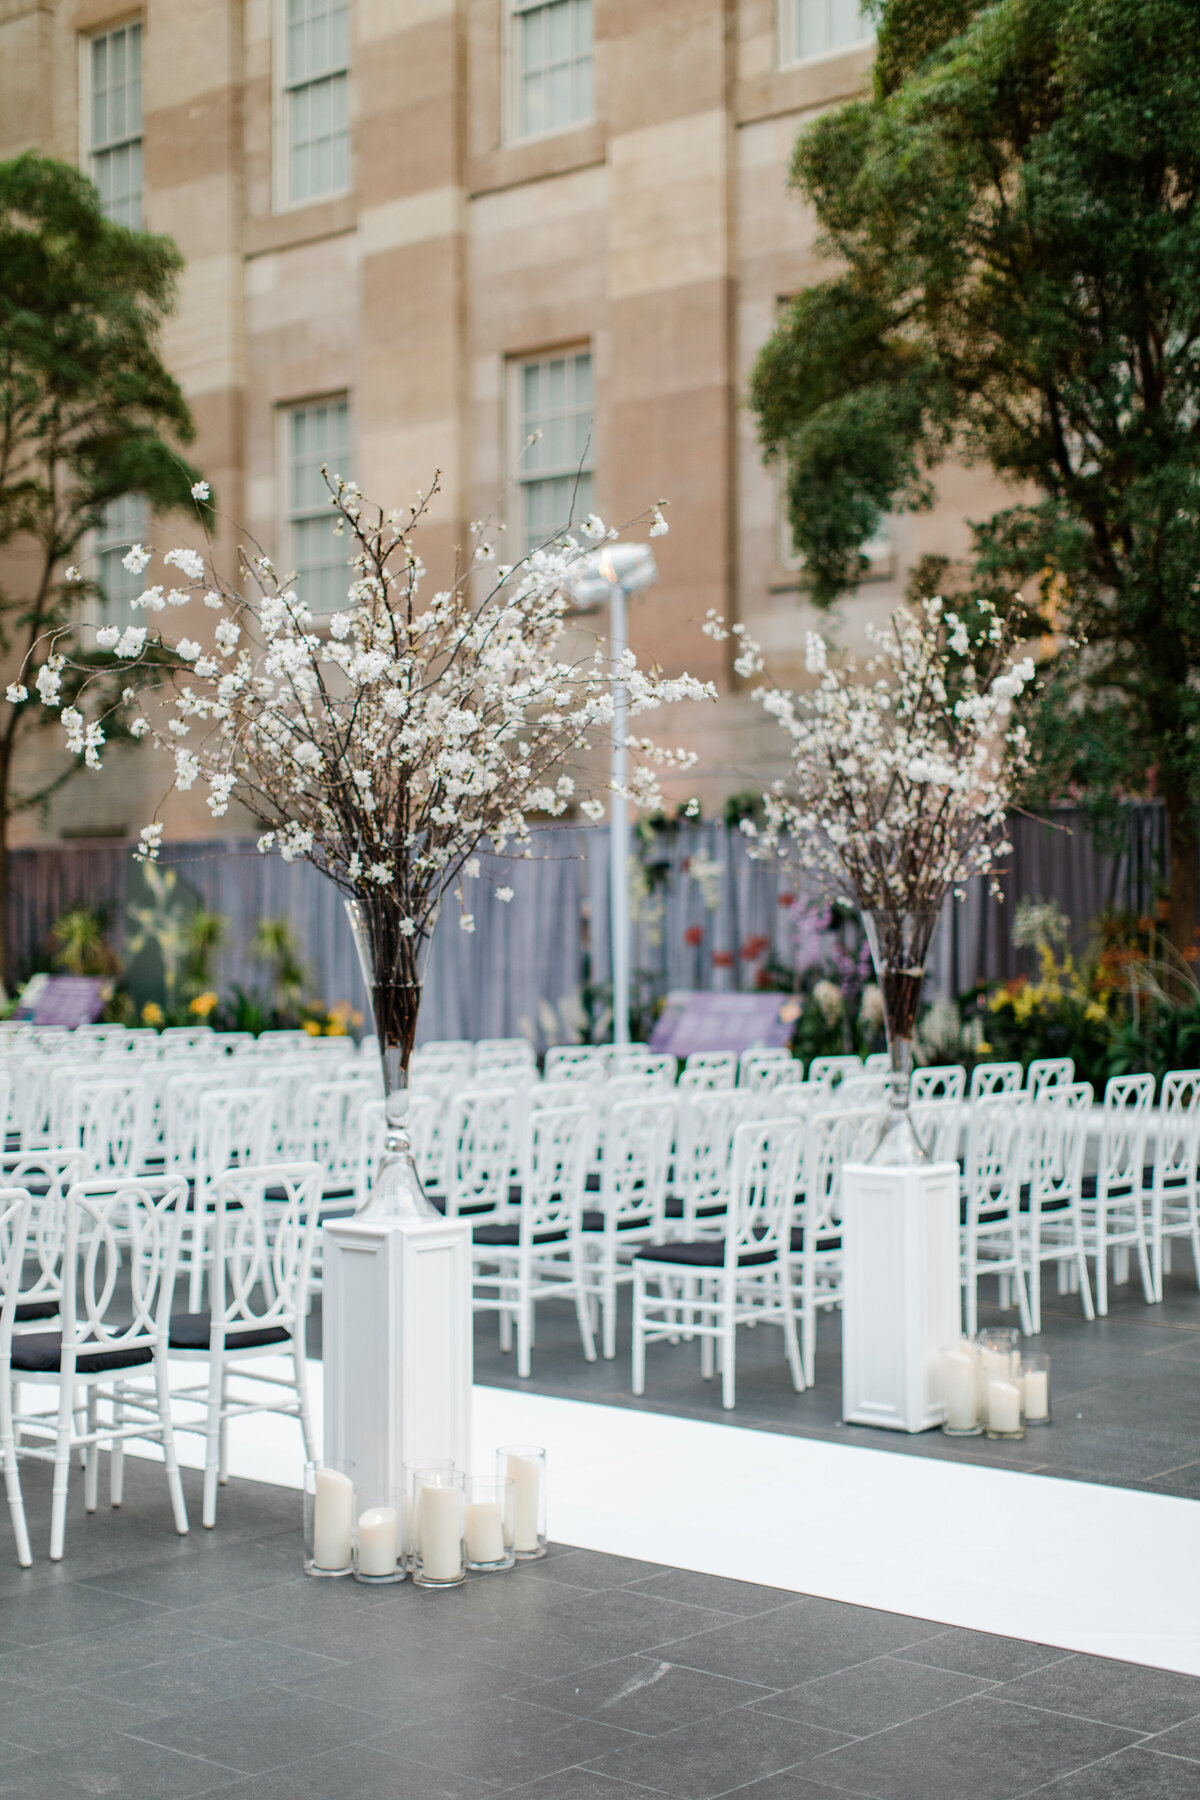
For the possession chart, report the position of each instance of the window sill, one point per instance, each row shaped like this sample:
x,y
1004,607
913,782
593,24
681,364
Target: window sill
x,y
536,159
803,86
300,225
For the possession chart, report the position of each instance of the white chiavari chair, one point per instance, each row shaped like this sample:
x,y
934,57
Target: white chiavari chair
x,y
699,1190
833,1137
832,1070
631,1200
233,1130
1053,1225
264,1229
737,1279
1170,1203
14,1225
990,1228
1048,1072
538,1255
1112,1198
482,1150
708,1069
108,1335
945,1081
750,1060
990,1079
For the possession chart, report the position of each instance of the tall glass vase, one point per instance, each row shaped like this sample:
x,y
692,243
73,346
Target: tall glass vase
x,y
899,949
391,972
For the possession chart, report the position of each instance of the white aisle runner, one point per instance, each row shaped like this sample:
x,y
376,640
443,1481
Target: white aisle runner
x,y
1104,1570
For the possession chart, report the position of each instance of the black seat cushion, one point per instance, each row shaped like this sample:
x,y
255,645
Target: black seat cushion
x,y
511,1234
28,1310
40,1353
675,1210
593,1220
484,1206
193,1331
706,1253
592,1183
825,1240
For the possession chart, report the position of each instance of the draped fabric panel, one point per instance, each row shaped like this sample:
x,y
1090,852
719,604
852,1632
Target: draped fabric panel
x,y
527,959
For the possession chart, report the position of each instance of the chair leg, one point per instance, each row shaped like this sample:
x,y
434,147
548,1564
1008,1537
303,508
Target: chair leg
x,y
1034,1272
706,1343
1149,1291
971,1293
728,1348
808,1325
301,1368
174,1484
1101,1293
581,1305
1160,1253
12,1478
524,1311
791,1346
1081,1271
504,1327
116,1473
62,1469
212,1441
223,1449
91,1469
639,1330
196,1278
608,1306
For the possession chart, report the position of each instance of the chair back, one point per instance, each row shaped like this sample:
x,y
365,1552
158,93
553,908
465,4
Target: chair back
x,y
15,1209
834,1137
46,1176
878,1063
1127,1103
179,1107
944,1081
831,1070
1058,1133
1177,1138
992,1166
327,1130
708,1120
750,1060
938,1124
263,1251
232,1132
513,1056
111,1116
129,1224
1049,1072
764,1177
637,1151
765,1077
795,1101
858,1090
990,1078
554,1159
482,1147
574,1063
709,1069
652,1068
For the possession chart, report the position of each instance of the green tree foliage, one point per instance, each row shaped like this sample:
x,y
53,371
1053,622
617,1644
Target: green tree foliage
x,y
1012,213
88,413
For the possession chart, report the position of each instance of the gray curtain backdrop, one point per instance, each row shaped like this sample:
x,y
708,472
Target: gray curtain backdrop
x,y
523,966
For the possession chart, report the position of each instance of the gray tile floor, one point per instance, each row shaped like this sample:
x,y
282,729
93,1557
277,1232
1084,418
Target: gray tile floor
x,y
1126,1393
149,1667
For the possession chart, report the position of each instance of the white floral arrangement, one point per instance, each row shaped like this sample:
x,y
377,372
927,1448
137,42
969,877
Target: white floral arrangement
x,y
903,766
390,741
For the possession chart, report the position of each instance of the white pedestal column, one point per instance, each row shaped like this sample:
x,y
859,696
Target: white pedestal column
x,y
396,1313
901,1304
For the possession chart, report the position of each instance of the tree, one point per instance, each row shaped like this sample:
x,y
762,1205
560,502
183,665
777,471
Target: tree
x,y
1014,213
88,413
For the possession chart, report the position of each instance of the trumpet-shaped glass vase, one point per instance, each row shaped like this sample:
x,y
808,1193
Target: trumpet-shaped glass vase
x,y
391,971
899,948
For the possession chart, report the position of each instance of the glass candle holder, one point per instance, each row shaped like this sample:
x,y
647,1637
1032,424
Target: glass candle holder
x,y
408,1500
489,1503
999,1351
524,1465
379,1553
960,1390
1005,1417
438,1522
328,1518
1035,1385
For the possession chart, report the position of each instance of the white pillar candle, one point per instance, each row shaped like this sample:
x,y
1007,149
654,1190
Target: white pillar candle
x,y
1037,1395
1004,1406
333,1517
485,1532
378,1541
525,1473
439,1529
958,1378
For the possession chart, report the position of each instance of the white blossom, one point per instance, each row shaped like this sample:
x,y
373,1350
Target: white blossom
x,y
504,893
71,573
49,680
200,490
149,842
16,693
131,641
466,922
108,637
188,648
135,559
189,561
658,525
594,528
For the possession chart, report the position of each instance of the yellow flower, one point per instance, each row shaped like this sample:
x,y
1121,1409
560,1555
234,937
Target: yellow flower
x,y
312,1028
152,1013
203,1004
982,1049
1094,1012
336,1028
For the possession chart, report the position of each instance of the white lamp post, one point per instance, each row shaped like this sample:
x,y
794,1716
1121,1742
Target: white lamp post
x,y
611,575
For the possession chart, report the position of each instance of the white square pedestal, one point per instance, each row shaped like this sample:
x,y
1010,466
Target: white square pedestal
x,y
901,1304
396,1313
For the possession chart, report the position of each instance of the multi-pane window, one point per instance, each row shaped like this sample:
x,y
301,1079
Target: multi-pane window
x,y
113,63
552,64
552,447
314,435
125,523
316,98
815,27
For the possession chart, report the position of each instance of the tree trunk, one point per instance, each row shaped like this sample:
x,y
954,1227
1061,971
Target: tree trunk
x,y
1183,846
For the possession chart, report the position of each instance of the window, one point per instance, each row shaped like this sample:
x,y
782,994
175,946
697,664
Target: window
x,y
316,99
552,395
552,63
816,27
113,119
315,434
126,522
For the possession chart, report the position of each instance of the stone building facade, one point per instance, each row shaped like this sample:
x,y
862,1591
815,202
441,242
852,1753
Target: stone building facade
x,y
417,231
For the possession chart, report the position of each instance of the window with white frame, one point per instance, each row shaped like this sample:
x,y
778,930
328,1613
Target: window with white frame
x,y
551,53
112,80
552,449
817,27
126,522
315,434
316,99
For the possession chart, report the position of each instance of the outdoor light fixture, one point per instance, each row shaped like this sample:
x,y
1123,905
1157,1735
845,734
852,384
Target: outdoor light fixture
x,y
609,576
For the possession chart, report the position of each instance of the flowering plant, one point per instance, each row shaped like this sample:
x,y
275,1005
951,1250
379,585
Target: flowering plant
x,y
387,742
